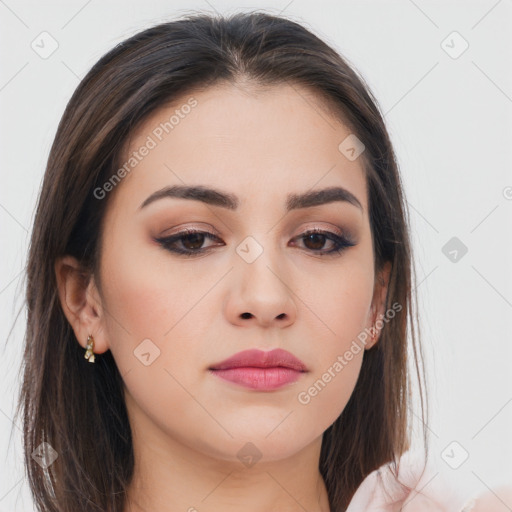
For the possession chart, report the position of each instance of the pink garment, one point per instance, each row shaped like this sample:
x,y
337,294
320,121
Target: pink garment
x,y
380,492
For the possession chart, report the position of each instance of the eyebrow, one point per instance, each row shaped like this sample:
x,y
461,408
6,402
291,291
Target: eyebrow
x,y
230,201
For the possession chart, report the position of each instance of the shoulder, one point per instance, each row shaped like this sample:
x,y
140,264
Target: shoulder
x,y
497,500
390,488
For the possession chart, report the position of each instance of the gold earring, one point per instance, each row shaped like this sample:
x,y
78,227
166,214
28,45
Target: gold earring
x,y
89,354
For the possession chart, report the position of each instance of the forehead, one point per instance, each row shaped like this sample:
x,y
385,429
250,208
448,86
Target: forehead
x,y
259,143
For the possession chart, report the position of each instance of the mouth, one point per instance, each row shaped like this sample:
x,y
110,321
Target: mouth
x,y
259,370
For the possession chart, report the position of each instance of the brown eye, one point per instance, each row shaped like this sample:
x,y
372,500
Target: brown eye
x,y
314,240
188,242
193,241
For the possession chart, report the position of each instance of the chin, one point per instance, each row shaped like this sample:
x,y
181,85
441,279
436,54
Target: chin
x,y
260,445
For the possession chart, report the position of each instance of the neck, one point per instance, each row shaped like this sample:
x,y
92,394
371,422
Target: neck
x,y
170,476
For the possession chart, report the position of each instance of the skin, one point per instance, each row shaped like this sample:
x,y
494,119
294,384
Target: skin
x,y
495,500
188,425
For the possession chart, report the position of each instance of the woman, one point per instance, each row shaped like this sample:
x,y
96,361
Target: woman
x,y
222,233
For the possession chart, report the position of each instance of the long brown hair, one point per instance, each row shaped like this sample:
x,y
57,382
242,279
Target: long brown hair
x,y
79,409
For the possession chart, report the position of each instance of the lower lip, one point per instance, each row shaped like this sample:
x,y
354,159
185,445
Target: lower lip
x,y
262,379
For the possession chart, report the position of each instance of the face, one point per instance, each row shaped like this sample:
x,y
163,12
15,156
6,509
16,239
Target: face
x,y
250,275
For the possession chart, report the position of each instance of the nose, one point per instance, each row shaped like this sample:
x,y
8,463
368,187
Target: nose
x,y
260,294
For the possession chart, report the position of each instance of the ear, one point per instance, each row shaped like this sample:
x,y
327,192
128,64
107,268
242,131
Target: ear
x,y
377,311
80,302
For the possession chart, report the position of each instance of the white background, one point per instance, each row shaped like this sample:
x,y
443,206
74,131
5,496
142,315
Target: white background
x,y
450,121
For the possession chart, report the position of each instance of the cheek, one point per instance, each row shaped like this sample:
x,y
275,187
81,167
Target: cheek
x,y
340,301
326,393
154,329
146,295
342,305
156,323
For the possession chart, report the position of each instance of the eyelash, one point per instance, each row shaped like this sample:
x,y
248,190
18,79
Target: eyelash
x,y
341,242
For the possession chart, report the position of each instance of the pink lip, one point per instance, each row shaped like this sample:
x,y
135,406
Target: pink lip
x,y
260,370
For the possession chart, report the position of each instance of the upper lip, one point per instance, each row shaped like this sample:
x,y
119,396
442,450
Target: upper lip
x,y
260,359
